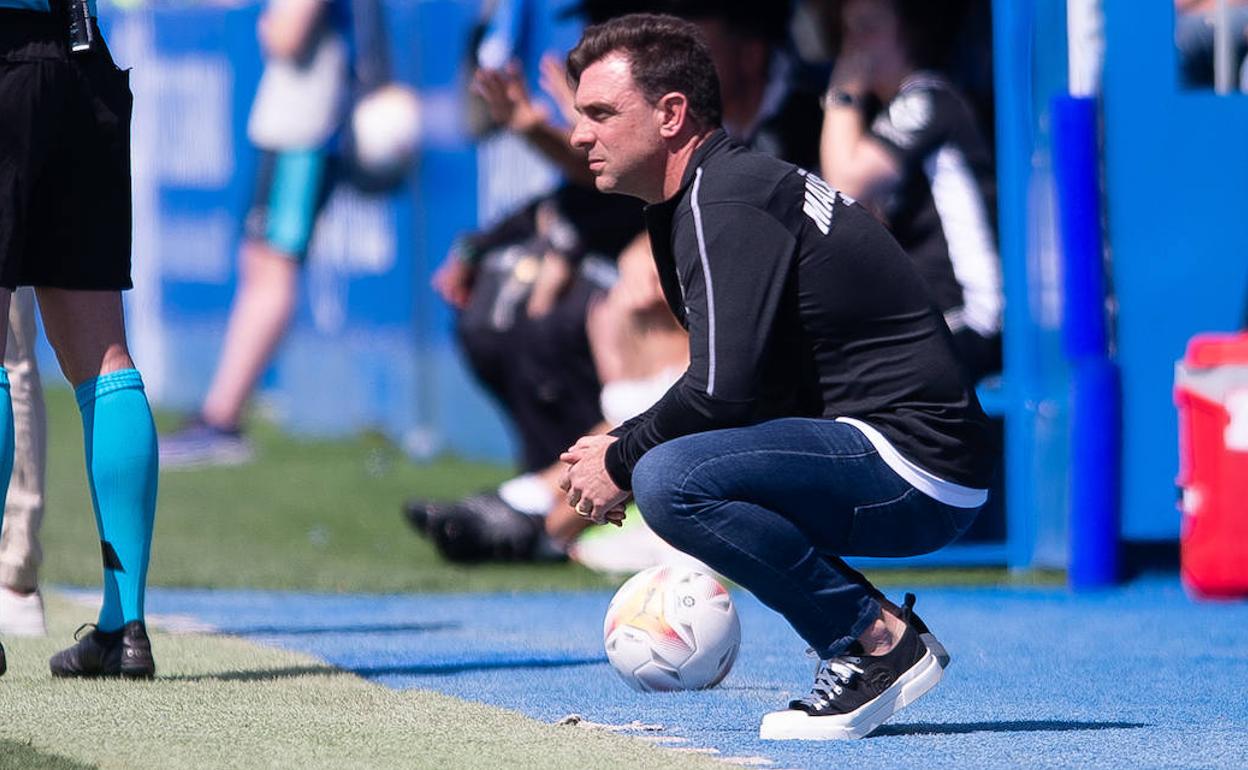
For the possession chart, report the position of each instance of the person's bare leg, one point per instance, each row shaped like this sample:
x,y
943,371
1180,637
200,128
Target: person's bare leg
x,y
882,636
258,321
6,423
87,330
21,606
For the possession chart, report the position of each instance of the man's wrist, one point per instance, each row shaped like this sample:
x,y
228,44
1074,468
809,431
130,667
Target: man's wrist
x,y
617,469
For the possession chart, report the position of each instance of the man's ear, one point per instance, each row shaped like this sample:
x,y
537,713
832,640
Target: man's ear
x,y
673,114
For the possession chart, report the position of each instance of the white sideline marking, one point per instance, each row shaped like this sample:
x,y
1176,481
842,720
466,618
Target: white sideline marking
x,y
576,720
171,623
181,624
663,740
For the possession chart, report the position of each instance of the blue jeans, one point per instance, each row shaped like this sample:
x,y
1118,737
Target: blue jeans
x,y
773,506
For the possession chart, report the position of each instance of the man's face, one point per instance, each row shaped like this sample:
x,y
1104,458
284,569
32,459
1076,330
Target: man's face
x,y
619,130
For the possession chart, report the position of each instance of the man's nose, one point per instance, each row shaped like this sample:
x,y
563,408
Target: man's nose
x,y
582,138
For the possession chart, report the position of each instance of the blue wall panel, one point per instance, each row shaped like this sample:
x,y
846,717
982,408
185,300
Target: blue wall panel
x,y
1176,167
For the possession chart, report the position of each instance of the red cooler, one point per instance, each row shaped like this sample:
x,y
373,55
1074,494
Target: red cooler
x,y
1211,390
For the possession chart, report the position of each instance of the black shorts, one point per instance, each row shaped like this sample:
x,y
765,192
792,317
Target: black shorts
x,y
64,159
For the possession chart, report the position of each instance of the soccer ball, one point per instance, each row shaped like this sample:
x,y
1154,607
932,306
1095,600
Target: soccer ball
x,y
671,628
386,126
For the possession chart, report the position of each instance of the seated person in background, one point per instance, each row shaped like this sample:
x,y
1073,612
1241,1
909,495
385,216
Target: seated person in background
x,y
639,351
522,287
899,137
771,104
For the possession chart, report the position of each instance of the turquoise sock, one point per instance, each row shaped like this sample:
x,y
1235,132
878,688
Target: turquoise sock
x,y
6,439
120,442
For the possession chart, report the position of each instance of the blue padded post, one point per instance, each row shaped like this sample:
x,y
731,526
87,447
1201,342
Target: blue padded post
x,y
1095,389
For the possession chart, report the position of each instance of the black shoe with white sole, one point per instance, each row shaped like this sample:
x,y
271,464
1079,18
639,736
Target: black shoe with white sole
x,y
854,693
126,652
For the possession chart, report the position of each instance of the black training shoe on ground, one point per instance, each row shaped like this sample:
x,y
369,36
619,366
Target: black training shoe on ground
x,y
4,665
418,512
484,528
854,693
125,653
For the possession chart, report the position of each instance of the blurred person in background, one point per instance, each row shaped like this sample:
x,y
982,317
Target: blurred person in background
x,y
1195,32
21,605
295,123
900,138
771,101
65,217
522,289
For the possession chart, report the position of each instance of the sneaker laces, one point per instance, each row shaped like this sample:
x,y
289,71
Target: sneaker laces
x,y
831,678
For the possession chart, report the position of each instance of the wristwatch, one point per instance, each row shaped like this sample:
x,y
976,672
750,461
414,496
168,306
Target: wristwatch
x,y
835,97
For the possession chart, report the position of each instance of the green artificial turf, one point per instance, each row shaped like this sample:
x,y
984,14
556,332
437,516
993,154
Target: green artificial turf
x,y
316,515
308,515
19,755
221,702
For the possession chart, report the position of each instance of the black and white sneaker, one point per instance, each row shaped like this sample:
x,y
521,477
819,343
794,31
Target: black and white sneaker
x,y
854,693
126,652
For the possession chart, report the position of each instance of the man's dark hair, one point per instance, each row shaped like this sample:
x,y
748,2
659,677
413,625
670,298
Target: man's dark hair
x,y
665,54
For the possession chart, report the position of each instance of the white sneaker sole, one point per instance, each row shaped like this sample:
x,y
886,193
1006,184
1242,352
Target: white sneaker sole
x,y
938,649
792,724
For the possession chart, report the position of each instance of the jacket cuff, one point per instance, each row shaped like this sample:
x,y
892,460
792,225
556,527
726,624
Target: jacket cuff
x,y
617,468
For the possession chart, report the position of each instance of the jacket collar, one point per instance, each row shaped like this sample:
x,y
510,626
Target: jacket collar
x,y
717,140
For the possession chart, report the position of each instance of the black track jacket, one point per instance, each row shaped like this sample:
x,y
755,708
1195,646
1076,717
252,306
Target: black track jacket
x,y
799,303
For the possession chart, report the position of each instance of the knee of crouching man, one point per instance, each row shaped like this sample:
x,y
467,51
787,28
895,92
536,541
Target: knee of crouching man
x,y
656,478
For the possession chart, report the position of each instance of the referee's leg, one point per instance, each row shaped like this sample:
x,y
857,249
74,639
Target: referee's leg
x,y
87,330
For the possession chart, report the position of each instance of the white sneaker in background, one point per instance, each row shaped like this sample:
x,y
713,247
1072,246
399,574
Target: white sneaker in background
x,y
21,614
628,549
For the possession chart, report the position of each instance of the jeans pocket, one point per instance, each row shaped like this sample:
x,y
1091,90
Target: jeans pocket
x,y
907,525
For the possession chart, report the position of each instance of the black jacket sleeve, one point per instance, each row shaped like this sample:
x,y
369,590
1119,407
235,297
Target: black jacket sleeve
x,y
733,261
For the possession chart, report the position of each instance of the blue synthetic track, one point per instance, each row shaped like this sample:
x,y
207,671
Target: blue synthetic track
x,y
1136,677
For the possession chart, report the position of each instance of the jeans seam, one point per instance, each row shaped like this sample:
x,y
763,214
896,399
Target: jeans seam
x,y
698,466
906,493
